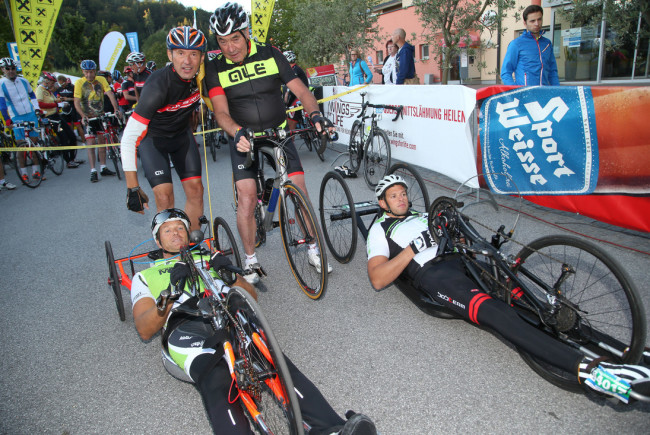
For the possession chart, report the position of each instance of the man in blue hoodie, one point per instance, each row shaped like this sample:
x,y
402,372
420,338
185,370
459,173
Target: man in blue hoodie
x,y
405,65
530,57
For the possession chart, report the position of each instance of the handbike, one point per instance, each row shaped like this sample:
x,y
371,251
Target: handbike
x,y
566,287
297,219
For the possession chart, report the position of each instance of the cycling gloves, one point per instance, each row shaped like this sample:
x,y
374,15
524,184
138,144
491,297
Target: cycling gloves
x,y
136,199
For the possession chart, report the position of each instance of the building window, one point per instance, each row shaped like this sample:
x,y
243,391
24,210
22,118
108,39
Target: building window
x,y
471,60
424,52
380,56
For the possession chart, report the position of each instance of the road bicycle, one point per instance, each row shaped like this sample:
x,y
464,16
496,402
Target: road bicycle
x,y
297,219
49,135
310,136
112,126
261,378
41,159
370,144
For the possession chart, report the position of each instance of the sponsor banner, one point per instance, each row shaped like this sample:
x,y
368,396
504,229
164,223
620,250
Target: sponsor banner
x,y
322,75
544,138
132,37
261,18
110,50
13,53
436,132
33,24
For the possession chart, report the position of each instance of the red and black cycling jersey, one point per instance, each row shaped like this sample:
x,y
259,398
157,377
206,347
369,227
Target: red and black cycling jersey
x,y
166,103
254,87
128,87
139,79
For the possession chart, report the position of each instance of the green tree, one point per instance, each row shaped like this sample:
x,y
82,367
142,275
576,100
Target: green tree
x,y
451,21
326,30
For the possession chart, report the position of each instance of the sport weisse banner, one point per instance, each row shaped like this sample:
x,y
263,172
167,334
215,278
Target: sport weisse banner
x,y
33,23
261,18
544,138
110,50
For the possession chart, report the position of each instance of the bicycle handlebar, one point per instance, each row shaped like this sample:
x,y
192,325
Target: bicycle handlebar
x,y
397,109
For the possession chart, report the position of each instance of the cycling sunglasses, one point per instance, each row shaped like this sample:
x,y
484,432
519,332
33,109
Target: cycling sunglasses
x,y
9,68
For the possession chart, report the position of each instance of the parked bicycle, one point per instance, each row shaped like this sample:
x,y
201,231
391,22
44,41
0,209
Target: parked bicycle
x,y
112,131
370,144
36,159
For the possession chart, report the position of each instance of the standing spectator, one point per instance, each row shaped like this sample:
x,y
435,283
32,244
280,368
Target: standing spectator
x,y
405,63
530,57
49,104
359,71
389,71
69,112
379,68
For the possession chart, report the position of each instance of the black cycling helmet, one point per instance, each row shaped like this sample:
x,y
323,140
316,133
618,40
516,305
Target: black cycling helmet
x,y
228,19
185,37
117,76
170,214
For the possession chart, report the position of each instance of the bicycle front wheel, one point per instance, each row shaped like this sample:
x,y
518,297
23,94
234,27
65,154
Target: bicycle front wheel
x,y
300,229
114,280
266,375
355,147
54,159
376,157
224,240
337,214
601,312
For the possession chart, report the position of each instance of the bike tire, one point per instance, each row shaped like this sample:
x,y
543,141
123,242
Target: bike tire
x,y
355,147
55,162
115,156
224,240
307,139
212,140
31,182
318,140
114,281
323,142
295,211
376,158
338,217
607,305
416,188
277,414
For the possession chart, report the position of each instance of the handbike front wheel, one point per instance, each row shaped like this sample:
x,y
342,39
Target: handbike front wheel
x,y
376,158
224,241
114,280
300,229
338,217
264,368
601,309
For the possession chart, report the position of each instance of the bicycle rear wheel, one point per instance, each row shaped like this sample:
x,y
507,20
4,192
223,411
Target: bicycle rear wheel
x,y
376,157
31,158
114,280
261,364
337,215
224,240
601,309
54,158
417,190
113,153
318,141
355,147
296,218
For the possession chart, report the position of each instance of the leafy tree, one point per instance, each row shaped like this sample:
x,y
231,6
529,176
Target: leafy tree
x,y
451,21
325,30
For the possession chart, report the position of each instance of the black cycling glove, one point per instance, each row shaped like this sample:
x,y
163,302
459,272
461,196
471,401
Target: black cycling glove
x,y
136,199
224,267
242,132
218,260
422,242
318,118
178,276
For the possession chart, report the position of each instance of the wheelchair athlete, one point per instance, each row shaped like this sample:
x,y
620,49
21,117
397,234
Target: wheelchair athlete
x,y
205,364
399,243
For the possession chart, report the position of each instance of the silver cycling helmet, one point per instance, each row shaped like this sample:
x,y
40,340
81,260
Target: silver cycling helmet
x,y
386,182
170,214
135,57
228,19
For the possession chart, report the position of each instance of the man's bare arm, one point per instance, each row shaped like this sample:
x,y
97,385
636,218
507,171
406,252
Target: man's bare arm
x,y
382,271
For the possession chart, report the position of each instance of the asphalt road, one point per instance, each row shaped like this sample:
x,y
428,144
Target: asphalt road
x,y
70,366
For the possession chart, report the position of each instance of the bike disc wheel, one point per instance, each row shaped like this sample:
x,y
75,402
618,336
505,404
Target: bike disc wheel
x,y
296,216
264,367
376,158
30,158
417,190
355,147
114,280
224,240
602,311
337,215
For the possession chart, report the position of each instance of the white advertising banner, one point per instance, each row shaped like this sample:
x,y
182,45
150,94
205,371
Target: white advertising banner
x,y
110,50
438,127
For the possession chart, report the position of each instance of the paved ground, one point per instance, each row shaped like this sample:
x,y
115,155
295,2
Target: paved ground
x,y
70,366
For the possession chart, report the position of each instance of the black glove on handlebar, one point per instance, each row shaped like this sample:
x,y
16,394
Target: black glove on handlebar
x,y
242,132
178,276
318,118
422,242
136,199
218,260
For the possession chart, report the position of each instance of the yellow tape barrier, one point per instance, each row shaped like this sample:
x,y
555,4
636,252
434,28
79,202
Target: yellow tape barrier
x,y
13,149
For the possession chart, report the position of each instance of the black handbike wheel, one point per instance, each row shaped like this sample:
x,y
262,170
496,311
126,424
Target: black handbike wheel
x,y
114,280
338,217
376,158
296,216
441,213
224,240
278,414
355,147
417,189
601,309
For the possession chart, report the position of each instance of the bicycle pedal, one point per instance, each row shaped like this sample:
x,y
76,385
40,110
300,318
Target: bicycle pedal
x,y
259,271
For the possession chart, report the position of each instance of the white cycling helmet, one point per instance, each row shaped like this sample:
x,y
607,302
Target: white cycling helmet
x,y
386,182
228,19
290,55
135,57
170,214
7,62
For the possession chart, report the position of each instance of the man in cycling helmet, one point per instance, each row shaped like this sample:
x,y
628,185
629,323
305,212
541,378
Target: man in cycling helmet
x,y
290,100
89,92
244,84
204,363
138,62
400,244
159,128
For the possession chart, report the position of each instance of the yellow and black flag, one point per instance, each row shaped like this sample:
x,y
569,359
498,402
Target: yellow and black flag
x,y
261,18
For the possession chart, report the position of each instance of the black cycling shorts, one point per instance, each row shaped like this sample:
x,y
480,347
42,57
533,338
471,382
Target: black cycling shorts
x,y
155,153
96,127
238,160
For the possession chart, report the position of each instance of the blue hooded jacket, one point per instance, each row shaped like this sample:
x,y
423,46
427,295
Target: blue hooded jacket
x,y
532,60
405,64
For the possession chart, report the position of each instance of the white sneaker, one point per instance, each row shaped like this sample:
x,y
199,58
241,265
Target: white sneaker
x,y
314,260
7,186
252,273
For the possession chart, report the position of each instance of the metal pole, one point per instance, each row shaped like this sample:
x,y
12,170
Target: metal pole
x,y
636,45
498,69
11,21
601,48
